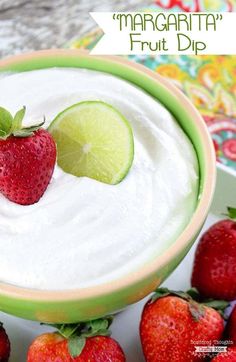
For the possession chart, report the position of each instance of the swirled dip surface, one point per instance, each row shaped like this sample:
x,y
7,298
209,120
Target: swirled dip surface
x,y
83,232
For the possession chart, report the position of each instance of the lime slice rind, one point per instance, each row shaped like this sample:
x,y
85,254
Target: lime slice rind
x,y
94,140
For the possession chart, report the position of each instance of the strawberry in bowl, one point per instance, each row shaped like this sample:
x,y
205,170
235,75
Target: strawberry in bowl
x,y
27,159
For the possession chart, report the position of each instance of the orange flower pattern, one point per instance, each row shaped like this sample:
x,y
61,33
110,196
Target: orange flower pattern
x,y
208,81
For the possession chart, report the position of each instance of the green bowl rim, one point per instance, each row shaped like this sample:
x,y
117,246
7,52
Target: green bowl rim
x,y
180,106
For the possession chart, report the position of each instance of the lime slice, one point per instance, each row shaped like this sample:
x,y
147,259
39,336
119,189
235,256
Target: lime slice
x,y
94,140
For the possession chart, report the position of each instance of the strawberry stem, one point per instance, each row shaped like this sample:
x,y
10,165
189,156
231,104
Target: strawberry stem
x,y
87,329
231,213
68,330
12,126
196,309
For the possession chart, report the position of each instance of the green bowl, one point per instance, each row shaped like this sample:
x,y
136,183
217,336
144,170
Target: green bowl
x,y
88,303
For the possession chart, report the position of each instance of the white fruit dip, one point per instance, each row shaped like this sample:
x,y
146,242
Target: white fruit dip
x,y
82,232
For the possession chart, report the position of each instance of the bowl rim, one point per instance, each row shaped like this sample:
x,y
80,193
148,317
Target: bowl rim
x,y
182,242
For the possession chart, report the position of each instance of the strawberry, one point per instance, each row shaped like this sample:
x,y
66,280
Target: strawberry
x,y
4,345
231,327
77,343
214,271
27,159
229,356
173,323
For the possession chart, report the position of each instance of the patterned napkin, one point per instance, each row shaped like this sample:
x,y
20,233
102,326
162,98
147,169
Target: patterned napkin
x,y
209,81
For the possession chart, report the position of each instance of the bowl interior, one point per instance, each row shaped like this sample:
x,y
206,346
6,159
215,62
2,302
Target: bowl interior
x,y
188,118
132,74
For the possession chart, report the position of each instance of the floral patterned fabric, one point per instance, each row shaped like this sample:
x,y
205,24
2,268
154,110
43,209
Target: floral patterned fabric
x,y
209,81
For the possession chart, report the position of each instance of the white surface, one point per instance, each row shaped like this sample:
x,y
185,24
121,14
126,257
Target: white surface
x,y
79,220
125,326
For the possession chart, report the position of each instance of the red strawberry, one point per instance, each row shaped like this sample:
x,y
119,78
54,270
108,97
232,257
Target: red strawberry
x,y
27,159
4,345
77,345
229,356
214,271
172,324
231,327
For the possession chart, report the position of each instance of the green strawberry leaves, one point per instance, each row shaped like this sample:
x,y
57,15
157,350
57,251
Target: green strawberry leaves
x,y
77,340
12,126
163,292
195,302
197,310
28,131
76,346
98,327
76,333
219,305
160,293
231,212
67,330
17,120
6,121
